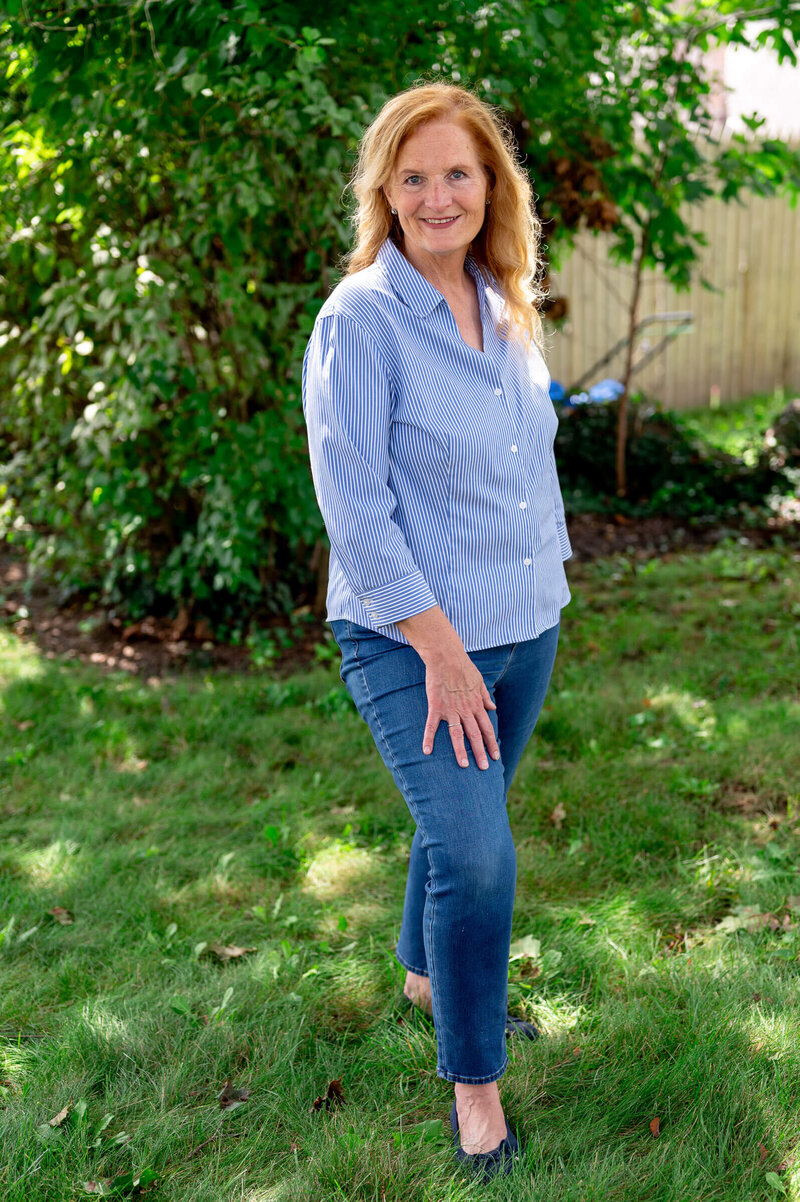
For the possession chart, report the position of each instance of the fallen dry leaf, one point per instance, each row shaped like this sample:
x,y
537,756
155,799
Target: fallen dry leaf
x,y
61,915
529,970
225,953
334,1096
558,815
763,1153
655,1127
586,920
231,1096
26,725
58,1119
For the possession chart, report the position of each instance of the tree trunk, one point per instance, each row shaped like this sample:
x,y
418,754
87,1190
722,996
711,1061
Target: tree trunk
x,y
622,413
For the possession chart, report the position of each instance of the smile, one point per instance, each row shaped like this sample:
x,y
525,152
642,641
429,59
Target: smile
x,y
439,220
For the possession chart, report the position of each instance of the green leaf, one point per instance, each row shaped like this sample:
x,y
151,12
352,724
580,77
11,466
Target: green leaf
x,y
425,1132
194,82
527,946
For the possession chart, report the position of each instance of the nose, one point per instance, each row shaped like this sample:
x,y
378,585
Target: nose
x,y
438,195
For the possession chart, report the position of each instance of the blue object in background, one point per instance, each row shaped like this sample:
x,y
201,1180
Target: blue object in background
x,y
606,390
598,394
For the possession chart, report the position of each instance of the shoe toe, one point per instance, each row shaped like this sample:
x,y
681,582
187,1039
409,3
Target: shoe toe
x,y
518,1026
485,1165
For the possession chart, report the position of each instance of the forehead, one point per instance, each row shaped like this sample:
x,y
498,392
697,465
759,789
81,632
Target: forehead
x,y
437,144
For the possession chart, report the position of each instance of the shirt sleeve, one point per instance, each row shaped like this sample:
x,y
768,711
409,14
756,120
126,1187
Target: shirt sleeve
x,y
558,505
347,407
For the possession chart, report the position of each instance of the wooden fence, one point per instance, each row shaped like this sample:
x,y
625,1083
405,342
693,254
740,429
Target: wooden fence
x,y
744,338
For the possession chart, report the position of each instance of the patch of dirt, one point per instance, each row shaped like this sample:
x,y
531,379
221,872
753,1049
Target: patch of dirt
x,y
160,647
749,801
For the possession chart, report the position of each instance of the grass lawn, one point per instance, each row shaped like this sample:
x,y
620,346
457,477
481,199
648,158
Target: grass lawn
x,y
657,820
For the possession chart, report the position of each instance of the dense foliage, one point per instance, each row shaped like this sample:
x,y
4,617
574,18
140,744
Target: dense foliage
x,y
171,217
671,469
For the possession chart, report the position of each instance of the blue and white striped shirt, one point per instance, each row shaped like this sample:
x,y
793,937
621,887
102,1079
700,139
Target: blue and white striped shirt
x,y
433,462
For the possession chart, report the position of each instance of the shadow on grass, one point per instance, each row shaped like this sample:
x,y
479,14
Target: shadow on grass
x,y
257,814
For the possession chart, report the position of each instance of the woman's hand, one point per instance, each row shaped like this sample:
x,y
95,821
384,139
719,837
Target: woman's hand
x,y
457,694
455,688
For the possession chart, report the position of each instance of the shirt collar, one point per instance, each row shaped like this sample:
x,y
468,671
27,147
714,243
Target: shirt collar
x,y
412,287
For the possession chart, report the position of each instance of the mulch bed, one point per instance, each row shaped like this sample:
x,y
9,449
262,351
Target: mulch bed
x,y
155,647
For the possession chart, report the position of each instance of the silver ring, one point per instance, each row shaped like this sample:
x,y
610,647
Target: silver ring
x,y
452,725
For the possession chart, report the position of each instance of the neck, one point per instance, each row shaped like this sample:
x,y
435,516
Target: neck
x,y
444,272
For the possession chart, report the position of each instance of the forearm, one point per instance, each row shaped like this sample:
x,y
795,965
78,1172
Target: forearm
x,y
432,635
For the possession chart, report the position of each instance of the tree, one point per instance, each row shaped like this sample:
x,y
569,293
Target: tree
x,y
171,218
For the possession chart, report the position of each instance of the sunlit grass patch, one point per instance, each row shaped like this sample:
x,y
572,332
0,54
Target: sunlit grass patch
x,y
658,901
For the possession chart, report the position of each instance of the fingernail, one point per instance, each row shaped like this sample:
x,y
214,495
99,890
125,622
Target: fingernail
x,y
463,763
495,755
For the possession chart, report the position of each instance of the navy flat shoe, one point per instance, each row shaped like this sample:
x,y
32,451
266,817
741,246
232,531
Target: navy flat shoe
x,y
518,1026
485,1165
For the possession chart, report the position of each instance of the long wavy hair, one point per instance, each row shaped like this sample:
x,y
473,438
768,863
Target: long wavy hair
x,y
507,246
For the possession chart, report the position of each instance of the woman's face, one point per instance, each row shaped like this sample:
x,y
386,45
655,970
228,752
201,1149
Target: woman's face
x,y
439,188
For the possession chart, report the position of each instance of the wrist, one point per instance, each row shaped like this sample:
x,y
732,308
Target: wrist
x,y
432,636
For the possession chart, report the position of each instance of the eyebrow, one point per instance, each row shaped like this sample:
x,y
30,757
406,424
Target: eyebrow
x,y
418,171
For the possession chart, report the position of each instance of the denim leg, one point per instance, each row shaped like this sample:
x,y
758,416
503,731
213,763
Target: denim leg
x,y
411,944
464,831
519,694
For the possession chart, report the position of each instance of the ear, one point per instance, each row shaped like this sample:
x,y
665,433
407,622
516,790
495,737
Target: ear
x,y
387,196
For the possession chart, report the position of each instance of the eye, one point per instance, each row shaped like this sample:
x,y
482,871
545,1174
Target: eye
x,y
458,172
412,179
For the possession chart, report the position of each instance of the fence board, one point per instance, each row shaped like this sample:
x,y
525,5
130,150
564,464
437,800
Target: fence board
x,y
745,338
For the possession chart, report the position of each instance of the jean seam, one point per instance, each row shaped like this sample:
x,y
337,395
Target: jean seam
x,y
508,661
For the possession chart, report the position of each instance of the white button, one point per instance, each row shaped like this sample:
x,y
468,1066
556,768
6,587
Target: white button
x,y
514,449
523,504
498,392
527,563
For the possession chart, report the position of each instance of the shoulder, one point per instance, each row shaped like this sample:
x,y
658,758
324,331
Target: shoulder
x,y
362,297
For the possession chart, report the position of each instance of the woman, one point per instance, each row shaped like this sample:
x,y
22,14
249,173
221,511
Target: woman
x,y
431,442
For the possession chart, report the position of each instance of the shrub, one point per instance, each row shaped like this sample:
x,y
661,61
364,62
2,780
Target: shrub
x,y
671,470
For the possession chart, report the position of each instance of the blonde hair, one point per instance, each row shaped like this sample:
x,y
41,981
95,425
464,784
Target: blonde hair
x,y
507,246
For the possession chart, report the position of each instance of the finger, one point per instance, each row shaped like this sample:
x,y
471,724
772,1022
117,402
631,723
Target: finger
x,y
457,739
487,732
487,698
473,733
431,727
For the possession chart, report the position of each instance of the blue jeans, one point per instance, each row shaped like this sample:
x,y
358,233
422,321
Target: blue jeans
x,y
459,899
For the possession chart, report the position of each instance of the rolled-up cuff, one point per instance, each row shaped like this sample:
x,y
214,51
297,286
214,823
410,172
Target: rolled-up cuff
x,y
563,540
400,599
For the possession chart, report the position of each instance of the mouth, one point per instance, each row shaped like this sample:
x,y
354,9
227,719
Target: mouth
x,y
439,223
